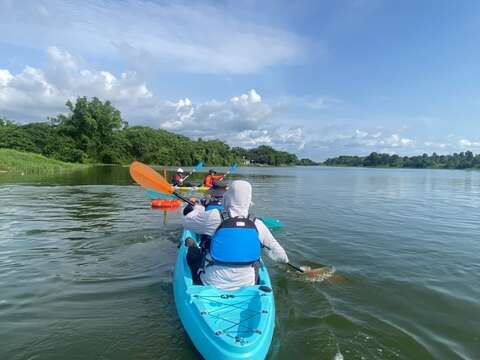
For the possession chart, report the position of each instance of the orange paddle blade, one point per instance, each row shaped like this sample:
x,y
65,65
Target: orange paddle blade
x,y
148,178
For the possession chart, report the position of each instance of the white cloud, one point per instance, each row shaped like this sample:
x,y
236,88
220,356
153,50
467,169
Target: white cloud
x,y
433,144
309,102
194,37
321,102
214,118
289,139
334,140
374,140
5,77
246,120
34,93
361,134
396,141
468,144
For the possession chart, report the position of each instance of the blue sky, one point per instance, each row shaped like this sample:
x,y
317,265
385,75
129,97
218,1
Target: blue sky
x,y
318,78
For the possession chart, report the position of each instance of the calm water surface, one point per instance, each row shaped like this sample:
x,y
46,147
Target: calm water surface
x,y
86,266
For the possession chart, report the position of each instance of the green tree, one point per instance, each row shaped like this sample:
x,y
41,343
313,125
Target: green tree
x,y
93,131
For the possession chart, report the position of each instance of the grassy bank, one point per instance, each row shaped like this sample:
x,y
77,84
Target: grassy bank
x,y
30,163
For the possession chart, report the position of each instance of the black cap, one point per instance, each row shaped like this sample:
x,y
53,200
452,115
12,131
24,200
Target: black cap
x,y
211,171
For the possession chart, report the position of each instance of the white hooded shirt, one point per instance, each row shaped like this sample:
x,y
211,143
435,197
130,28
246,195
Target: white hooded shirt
x,y
237,201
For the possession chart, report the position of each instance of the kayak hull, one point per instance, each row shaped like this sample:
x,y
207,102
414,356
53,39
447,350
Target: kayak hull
x,y
201,189
233,324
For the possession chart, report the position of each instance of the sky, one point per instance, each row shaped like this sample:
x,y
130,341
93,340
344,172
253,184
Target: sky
x,y
317,78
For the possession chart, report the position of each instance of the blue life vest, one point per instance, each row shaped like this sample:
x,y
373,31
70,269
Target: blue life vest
x,y
236,241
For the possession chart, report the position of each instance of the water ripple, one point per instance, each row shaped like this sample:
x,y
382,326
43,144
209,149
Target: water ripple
x,y
86,269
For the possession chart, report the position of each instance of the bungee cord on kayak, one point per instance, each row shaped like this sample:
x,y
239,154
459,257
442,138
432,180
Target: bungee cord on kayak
x,y
226,313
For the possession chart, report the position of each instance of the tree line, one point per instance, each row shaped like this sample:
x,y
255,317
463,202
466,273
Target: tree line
x,y
94,132
462,160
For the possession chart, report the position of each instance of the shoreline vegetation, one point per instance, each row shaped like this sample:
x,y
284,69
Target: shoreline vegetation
x,y
462,160
28,163
93,132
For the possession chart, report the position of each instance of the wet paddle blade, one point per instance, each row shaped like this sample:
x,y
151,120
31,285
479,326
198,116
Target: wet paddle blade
x,y
148,178
199,166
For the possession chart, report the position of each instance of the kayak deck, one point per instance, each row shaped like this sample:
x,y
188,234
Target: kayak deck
x,y
233,324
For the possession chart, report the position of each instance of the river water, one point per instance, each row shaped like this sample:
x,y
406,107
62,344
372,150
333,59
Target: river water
x,y
86,265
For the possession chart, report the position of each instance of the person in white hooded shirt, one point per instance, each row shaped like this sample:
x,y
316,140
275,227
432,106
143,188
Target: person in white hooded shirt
x,y
237,202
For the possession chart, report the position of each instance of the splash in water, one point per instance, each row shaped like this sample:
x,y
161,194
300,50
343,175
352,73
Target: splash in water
x,y
325,273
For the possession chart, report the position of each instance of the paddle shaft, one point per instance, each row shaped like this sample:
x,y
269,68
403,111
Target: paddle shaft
x,y
232,169
223,177
181,197
190,173
295,268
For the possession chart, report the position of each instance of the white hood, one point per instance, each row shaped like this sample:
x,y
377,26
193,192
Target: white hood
x,y
238,198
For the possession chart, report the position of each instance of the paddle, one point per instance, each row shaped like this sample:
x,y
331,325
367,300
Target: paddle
x,y
296,268
197,167
232,169
148,178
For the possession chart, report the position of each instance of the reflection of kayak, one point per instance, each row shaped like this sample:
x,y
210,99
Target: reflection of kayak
x,y
165,203
192,188
234,324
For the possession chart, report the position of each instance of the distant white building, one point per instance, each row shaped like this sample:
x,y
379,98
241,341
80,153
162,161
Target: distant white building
x,y
246,161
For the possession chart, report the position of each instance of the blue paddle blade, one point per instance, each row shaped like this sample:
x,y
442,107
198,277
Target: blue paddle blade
x,y
233,167
157,195
272,223
199,166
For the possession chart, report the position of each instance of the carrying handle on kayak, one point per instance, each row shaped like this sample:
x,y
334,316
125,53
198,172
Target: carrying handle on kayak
x,y
148,178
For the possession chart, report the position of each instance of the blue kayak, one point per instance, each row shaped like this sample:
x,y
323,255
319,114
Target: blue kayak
x,y
224,324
